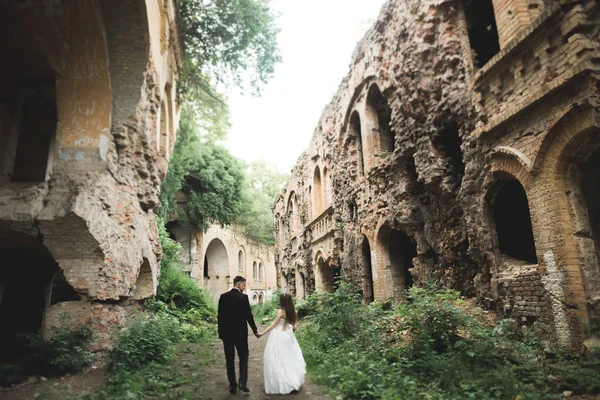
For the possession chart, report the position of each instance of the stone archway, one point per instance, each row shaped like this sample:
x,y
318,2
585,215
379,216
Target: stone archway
x,y
367,272
27,273
326,276
396,251
511,219
216,264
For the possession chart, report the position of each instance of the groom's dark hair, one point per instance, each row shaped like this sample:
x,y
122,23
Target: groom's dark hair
x,y
238,279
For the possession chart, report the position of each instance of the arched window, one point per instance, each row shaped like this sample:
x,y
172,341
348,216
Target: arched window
x,y
171,123
397,251
483,33
367,272
326,188
380,117
317,192
260,272
254,271
241,261
164,130
356,130
513,222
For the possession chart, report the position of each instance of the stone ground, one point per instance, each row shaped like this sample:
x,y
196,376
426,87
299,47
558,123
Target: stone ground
x,y
215,381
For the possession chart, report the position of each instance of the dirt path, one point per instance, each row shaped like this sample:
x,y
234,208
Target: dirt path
x,y
215,377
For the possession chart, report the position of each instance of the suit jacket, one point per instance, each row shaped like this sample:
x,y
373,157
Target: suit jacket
x,y
234,315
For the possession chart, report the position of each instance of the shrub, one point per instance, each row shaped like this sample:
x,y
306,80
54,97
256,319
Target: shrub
x,y
67,350
431,347
269,309
145,342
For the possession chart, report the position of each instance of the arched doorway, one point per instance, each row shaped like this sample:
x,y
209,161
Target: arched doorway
x,y
261,299
367,272
512,221
216,268
327,277
355,129
300,285
317,193
27,271
590,177
397,251
379,115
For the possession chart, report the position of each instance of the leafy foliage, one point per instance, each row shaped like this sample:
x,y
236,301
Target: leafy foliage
x,y
262,185
67,351
432,347
210,177
145,342
226,39
268,310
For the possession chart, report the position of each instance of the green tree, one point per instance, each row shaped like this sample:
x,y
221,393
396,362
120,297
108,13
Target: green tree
x,y
209,176
263,183
227,41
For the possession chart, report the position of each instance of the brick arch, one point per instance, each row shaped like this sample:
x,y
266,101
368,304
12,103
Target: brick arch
x,y
508,161
354,100
578,119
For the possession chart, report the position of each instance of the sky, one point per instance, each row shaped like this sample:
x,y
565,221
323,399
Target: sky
x,y
316,41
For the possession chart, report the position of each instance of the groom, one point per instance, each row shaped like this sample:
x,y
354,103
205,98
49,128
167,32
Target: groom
x,y
234,314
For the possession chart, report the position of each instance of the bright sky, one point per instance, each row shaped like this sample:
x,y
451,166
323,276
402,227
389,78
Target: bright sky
x,y
317,39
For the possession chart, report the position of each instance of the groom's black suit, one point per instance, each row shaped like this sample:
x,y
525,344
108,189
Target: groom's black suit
x,y
234,315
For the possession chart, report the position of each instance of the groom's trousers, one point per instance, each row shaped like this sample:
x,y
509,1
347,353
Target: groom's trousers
x,y
230,345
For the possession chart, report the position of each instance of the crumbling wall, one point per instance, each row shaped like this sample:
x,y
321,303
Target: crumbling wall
x,y
93,212
459,134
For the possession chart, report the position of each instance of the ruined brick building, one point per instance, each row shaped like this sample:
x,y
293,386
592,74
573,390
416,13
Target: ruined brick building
x,y
87,122
462,146
215,257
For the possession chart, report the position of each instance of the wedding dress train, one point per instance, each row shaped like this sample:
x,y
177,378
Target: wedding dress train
x,y
284,365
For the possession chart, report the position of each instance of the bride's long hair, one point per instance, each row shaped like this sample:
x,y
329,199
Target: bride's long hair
x,y
287,304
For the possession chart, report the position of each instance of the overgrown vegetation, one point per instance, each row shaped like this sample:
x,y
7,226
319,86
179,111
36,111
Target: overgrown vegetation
x,y
141,358
66,352
432,347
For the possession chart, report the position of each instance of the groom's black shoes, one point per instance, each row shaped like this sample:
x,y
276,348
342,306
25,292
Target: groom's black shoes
x,y
232,389
244,389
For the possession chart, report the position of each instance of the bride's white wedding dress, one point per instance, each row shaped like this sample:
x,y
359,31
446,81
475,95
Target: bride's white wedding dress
x,y
284,364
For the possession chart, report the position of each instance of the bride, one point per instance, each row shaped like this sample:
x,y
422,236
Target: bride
x,y
284,364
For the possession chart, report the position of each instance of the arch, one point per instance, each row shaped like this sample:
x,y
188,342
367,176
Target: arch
x,y
379,115
367,272
292,211
355,130
317,193
300,284
482,31
170,115
395,253
310,202
216,264
327,195
261,298
163,137
35,128
145,285
511,219
241,261
255,298
326,276
26,276
260,272
255,271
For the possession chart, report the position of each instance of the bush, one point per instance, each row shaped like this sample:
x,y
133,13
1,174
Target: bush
x,y
431,347
145,342
268,310
176,289
67,350
308,306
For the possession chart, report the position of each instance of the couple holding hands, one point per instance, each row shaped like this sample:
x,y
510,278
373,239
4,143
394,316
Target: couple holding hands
x,y
284,366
